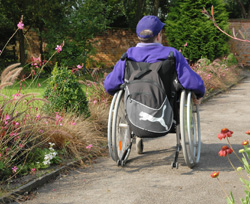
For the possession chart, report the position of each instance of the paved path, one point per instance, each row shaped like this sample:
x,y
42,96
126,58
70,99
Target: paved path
x,y
149,179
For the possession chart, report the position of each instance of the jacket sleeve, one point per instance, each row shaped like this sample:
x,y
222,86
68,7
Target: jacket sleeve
x,y
115,78
189,79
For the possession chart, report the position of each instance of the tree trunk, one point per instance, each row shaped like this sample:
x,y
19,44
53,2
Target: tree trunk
x,y
248,12
156,7
21,47
242,9
139,10
41,43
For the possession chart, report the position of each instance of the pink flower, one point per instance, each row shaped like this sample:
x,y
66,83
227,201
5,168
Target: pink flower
x,y
20,25
73,123
16,95
59,48
17,123
14,169
79,66
21,145
89,146
13,134
33,171
7,117
37,117
94,102
38,59
38,85
186,44
58,117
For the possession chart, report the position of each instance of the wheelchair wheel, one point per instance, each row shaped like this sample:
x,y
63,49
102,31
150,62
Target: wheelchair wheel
x,y
190,129
119,137
110,143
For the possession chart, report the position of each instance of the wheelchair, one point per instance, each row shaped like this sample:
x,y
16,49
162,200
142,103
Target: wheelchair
x,y
186,120
120,138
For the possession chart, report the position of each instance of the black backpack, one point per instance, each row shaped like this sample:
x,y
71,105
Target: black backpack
x,y
147,98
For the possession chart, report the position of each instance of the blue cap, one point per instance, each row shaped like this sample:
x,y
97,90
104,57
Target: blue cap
x,y
149,23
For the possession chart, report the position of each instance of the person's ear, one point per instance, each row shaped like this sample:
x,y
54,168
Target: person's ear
x,y
158,36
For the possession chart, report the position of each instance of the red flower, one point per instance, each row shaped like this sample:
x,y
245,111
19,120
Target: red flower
x,y
245,142
225,150
225,133
215,174
248,132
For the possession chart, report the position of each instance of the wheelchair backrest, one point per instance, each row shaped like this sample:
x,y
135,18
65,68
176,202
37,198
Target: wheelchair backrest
x,y
167,72
148,91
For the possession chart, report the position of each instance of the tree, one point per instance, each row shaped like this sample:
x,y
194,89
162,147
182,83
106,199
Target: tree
x,y
185,24
127,13
34,17
72,21
85,21
238,8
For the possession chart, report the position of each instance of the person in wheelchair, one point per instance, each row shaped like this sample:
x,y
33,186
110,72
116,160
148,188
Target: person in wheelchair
x,y
151,50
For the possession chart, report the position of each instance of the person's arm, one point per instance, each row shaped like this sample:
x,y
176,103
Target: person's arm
x,y
189,79
115,78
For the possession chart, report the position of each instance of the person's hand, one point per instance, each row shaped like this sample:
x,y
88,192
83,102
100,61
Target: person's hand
x,y
197,101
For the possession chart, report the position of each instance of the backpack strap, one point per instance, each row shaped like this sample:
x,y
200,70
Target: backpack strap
x,y
124,56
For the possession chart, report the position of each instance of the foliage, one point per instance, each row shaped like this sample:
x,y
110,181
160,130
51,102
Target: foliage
x,y
74,21
86,21
185,24
27,131
19,133
238,9
244,168
127,13
64,93
56,11
95,88
218,74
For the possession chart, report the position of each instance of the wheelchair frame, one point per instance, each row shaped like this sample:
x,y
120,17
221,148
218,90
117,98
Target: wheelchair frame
x,y
188,135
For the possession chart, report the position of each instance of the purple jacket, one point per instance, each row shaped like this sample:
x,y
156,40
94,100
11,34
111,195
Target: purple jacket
x,y
150,53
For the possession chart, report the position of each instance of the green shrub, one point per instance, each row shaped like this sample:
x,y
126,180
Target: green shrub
x,y
186,24
64,93
231,60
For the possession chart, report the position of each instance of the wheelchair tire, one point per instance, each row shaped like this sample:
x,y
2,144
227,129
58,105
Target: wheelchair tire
x,y
121,135
190,129
110,119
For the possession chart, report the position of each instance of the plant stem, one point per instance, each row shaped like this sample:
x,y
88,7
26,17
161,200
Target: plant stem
x,y
240,175
8,41
224,190
42,68
234,151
